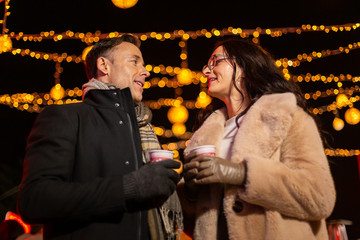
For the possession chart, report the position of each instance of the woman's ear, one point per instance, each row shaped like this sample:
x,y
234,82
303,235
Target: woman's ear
x,y
102,65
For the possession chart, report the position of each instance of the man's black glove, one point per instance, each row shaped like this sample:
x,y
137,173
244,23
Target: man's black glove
x,y
151,185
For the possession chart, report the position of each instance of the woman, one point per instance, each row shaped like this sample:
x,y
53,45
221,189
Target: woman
x,y
270,178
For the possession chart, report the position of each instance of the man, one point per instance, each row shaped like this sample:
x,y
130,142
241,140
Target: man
x,y
83,171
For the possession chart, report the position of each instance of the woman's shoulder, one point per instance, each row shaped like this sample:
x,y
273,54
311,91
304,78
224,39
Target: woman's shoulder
x,y
277,100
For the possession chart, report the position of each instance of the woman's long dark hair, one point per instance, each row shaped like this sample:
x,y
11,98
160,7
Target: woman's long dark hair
x,y
261,75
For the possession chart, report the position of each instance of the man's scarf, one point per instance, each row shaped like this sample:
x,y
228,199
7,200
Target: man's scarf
x,y
167,220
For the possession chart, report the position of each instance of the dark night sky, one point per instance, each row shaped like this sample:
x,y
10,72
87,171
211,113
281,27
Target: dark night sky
x,y
25,74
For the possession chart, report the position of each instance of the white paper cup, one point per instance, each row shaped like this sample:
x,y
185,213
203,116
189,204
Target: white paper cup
x,y
209,150
160,155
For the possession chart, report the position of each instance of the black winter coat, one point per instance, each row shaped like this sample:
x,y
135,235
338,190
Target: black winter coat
x,y
75,160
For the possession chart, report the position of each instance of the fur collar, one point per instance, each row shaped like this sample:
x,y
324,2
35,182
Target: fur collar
x,y
265,125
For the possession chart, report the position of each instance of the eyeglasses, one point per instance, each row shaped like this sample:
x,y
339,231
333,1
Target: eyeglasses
x,y
213,61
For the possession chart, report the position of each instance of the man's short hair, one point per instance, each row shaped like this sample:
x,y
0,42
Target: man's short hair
x,y
103,48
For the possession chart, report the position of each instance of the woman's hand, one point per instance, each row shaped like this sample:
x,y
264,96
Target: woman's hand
x,y
205,169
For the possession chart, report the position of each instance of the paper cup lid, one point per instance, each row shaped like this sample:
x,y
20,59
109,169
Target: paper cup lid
x,y
204,149
161,153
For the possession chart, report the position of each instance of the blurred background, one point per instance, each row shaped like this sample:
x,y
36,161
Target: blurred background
x,y
43,43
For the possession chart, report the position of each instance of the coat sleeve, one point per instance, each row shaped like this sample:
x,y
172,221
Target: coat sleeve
x,y
300,184
47,192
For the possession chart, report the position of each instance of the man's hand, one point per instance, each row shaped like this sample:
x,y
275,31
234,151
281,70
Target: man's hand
x,y
151,185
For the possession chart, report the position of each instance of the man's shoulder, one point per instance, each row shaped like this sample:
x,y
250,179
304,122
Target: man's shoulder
x,y
70,108
64,107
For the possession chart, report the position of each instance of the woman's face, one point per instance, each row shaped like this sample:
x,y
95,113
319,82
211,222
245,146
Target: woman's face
x,y
220,76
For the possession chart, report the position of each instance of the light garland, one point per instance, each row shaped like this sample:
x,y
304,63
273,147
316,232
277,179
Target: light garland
x,y
177,77
56,57
90,38
325,79
295,62
45,99
282,62
342,152
331,92
333,106
6,14
33,102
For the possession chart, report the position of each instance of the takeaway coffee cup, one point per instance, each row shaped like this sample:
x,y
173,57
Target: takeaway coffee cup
x,y
160,155
209,150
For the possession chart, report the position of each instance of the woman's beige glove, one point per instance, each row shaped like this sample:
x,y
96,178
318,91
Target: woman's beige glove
x,y
205,169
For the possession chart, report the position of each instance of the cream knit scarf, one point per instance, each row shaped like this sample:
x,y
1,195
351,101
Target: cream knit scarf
x,y
166,221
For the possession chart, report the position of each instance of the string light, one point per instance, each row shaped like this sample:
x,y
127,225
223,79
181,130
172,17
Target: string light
x,y
295,62
333,92
342,152
35,101
56,57
177,77
331,107
325,79
161,36
6,14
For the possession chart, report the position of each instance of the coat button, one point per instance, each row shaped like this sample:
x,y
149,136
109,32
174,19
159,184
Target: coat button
x,y
117,104
238,206
114,93
127,162
121,122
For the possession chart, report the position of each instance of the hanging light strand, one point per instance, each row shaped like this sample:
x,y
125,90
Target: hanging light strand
x,y
338,152
295,62
326,79
6,14
56,57
333,106
161,36
331,92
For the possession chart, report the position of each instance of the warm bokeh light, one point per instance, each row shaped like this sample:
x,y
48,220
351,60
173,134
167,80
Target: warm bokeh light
x,y
203,100
352,116
57,92
5,43
185,76
338,124
178,114
85,52
178,129
341,100
124,4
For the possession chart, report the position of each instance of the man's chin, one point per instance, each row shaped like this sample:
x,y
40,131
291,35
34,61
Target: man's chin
x,y
137,99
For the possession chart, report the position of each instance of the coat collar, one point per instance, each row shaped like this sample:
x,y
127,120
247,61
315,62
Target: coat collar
x,y
109,98
262,130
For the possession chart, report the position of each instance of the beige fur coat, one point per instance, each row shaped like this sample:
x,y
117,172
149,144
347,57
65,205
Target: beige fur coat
x,y
289,190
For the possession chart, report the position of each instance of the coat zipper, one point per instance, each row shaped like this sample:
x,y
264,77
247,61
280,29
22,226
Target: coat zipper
x,y
136,167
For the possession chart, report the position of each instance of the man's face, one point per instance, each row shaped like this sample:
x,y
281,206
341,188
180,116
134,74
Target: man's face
x,y
127,69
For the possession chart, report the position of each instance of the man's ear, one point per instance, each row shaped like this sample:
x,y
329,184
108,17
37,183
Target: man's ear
x,y
102,65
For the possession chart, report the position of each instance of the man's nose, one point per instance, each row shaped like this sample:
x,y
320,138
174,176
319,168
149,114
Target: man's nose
x,y
145,72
